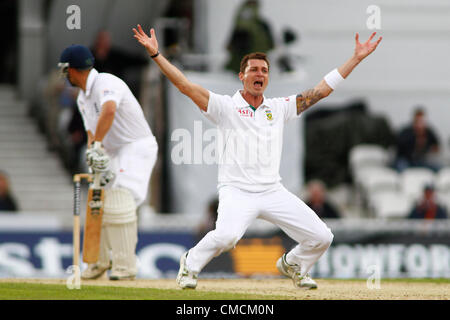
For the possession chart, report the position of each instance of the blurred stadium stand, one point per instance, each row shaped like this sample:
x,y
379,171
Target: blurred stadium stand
x,y
39,181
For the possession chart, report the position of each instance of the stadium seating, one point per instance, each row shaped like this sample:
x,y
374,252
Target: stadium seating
x,y
413,180
373,179
387,193
443,180
39,182
391,204
364,156
442,185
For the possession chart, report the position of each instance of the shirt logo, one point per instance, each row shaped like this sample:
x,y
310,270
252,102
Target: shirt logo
x,y
245,112
269,115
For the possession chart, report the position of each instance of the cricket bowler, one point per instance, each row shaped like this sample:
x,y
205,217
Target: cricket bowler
x,y
252,189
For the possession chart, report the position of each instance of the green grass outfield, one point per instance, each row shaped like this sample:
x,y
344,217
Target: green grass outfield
x,y
18,290
33,291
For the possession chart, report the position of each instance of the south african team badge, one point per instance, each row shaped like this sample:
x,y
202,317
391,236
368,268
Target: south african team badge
x,y
269,115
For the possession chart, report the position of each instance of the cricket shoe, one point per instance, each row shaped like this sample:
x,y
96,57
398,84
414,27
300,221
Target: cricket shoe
x,y
186,279
94,271
293,272
121,274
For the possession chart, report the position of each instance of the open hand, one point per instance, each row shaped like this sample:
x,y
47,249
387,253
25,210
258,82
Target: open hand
x,y
149,43
362,50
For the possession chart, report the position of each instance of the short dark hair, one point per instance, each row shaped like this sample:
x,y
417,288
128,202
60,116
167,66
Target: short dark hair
x,y
254,55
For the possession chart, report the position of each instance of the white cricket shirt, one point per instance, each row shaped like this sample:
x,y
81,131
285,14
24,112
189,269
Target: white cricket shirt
x,y
249,140
129,123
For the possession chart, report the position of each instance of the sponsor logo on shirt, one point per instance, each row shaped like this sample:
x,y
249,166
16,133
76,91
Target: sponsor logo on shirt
x,y
269,115
107,92
245,112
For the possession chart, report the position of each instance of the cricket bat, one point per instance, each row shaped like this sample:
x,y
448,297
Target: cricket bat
x,y
93,222
76,214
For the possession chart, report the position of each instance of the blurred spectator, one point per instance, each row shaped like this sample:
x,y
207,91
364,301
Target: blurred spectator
x,y
318,202
210,220
64,129
7,201
60,98
428,208
417,144
111,59
251,34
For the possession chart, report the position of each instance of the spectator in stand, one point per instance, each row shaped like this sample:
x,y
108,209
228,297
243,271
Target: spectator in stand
x,y
428,208
251,34
318,202
7,201
417,144
62,128
60,98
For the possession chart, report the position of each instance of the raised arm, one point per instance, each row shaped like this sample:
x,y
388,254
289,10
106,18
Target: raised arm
x,y
309,97
198,94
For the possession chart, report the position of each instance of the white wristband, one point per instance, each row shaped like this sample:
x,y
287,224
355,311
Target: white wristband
x,y
333,79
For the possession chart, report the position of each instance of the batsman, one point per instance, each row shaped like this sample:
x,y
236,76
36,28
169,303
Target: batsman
x,y
122,148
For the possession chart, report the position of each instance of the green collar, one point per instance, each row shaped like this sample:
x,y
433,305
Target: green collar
x,y
254,109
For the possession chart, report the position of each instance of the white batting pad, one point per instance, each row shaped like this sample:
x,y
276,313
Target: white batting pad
x,y
123,240
120,206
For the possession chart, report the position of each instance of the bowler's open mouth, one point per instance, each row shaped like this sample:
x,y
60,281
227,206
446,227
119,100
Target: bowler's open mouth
x,y
258,84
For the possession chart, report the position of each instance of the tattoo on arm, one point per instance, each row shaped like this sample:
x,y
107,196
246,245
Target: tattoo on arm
x,y
307,98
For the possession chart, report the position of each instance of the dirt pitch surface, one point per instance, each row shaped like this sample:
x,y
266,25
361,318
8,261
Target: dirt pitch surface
x,y
328,289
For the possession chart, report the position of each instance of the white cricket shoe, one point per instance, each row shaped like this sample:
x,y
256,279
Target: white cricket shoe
x,y
293,271
186,279
94,271
121,274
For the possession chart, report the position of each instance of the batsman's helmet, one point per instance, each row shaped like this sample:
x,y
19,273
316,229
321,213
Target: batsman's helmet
x,y
77,56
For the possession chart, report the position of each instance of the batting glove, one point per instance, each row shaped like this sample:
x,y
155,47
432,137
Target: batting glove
x,y
106,177
97,158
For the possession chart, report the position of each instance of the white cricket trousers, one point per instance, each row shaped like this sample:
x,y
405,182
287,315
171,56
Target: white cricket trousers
x,y
133,165
239,208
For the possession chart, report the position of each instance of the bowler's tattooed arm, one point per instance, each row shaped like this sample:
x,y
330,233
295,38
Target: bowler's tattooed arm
x,y
309,97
